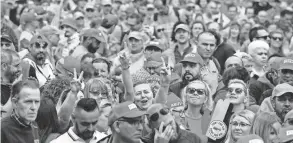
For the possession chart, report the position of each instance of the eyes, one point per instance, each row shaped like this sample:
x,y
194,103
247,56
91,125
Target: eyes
x,y
139,93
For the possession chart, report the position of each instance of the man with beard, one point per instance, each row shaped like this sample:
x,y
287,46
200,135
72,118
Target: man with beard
x,y
91,40
40,67
165,128
191,66
84,117
10,71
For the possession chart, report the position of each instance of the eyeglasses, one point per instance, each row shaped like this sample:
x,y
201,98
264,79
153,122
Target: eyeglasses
x,y
237,90
289,121
193,90
241,124
154,117
89,10
277,38
101,95
161,30
264,37
6,44
42,45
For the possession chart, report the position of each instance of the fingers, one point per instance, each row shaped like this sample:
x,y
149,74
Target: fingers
x,y
168,131
161,127
80,76
164,63
74,73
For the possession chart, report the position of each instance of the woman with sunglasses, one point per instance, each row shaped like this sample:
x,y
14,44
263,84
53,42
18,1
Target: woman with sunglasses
x,y
267,126
238,95
279,45
198,107
240,125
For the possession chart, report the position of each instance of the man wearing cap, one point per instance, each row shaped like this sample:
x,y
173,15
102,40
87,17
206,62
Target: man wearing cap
x,y
91,42
6,42
182,46
281,101
89,14
106,7
40,66
79,17
85,118
126,123
70,39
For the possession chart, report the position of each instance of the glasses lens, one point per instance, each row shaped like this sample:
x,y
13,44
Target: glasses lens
x,y
200,92
154,117
190,90
238,90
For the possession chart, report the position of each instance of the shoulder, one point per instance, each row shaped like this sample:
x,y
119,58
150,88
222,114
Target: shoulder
x,y
6,123
64,138
189,137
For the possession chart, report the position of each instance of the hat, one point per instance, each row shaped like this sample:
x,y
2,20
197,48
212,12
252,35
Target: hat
x,y
70,22
106,2
173,101
126,109
289,115
155,60
154,44
6,37
78,15
109,20
150,6
250,139
193,58
39,37
94,33
282,89
27,17
286,134
287,64
182,26
135,34
89,6
50,30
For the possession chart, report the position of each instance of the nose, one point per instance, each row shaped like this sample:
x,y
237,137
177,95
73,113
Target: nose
x,y
208,48
140,127
238,127
287,103
34,106
91,127
152,71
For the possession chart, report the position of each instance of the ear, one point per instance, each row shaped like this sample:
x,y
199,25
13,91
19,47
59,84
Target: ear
x,y
4,66
116,127
14,102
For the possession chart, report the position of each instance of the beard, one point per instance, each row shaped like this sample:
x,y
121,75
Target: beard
x,y
40,58
91,48
188,77
85,135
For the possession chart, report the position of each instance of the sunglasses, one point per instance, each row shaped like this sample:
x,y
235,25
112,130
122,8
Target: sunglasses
x,y
154,117
289,121
264,37
237,90
89,10
287,71
241,124
41,45
6,44
277,38
193,90
161,30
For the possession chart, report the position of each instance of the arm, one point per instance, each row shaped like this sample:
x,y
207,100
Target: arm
x,y
162,95
128,84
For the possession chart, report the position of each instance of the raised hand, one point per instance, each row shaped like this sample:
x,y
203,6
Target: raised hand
x,y
124,60
165,73
163,136
75,84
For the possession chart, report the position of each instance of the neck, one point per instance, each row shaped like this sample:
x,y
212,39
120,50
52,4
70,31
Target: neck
x,y
258,68
206,61
117,139
238,107
193,111
182,47
234,39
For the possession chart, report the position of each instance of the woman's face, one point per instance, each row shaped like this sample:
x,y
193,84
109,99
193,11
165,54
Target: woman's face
x,y
260,57
240,127
196,94
236,93
273,132
101,69
197,28
234,31
160,31
143,97
98,93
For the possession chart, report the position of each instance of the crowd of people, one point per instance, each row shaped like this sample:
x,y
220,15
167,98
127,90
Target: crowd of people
x,y
146,71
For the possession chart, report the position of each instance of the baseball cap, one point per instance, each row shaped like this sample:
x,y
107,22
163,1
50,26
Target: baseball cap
x,y
154,44
39,37
193,58
150,6
94,33
250,139
286,134
6,37
287,64
106,2
126,109
78,15
70,22
182,26
27,17
173,101
89,6
135,34
109,20
282,89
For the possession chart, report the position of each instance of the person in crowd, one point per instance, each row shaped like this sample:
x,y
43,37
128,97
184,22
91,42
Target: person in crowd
x,y
262,18
152,48
288,119
164,126
161,36
84,117
176,108
196,28
285,135
256,33
87,58
234,36
79,17
40,66
247,60
278,45
267,126
233,62
240,122
105,110
102,67
6,42
20,126
126,124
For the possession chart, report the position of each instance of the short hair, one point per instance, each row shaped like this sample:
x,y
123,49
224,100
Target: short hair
x,y
215,34
233,81
103,60
209,23
253,32
173,30
87,104
7,56
254,45
29,83
88,55
235,73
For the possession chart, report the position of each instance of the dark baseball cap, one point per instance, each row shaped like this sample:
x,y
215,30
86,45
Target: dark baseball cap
x,y
193,58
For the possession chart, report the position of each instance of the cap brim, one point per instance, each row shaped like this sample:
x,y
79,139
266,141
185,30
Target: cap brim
x,y
181,28
289,67
153,64
186,60
134,114
134,37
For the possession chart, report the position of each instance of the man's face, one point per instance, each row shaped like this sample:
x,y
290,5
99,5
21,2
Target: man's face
x,y
131,129
248,64
262,17
288,17
54,39
101,69
69,31
263,35
286,76
232,12
5,44
92,44
233,62
177,113
39,52
85,123
283,104
206,45
182,36
190,71
80,21
214,7
135,45
13,71
260,57
107,9
250,13
154,69
28,104
277,40
162,10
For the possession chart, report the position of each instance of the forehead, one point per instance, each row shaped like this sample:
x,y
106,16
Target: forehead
x,y
233,60
27,93
96,87
197,85
240,119
207,38
277,34
100,65
236,85
260,50
144,86
197,25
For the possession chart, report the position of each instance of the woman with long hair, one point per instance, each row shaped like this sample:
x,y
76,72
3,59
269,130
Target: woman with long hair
x,y
267,126
234,36
196,28
240,125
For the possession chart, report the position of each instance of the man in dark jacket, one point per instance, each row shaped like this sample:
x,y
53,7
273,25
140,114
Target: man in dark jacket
x,y
165,129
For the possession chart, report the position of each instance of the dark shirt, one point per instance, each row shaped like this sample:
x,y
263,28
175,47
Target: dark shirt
x,y
258,8
222,53
177,54
5,93
184,136
13,132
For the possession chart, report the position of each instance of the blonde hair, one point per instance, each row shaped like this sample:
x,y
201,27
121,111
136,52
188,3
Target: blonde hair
x,y
247,114
102,84
209,104
246,91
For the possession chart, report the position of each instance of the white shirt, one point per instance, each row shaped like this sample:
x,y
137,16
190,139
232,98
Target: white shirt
x,y
71,137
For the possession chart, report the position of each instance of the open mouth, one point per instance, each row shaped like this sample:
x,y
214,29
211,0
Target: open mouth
x,y
144,101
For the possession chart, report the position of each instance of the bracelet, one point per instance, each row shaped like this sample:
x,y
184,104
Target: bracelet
x,y
125,68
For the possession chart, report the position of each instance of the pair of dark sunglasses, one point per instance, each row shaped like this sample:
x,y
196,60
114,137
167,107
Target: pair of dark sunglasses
x,y
42,45
237,90
277,38
161,30
287,71
6,44
154,117
90,10
197,91
264,37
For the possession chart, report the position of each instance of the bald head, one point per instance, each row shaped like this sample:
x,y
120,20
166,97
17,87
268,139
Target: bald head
x,y
233,61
